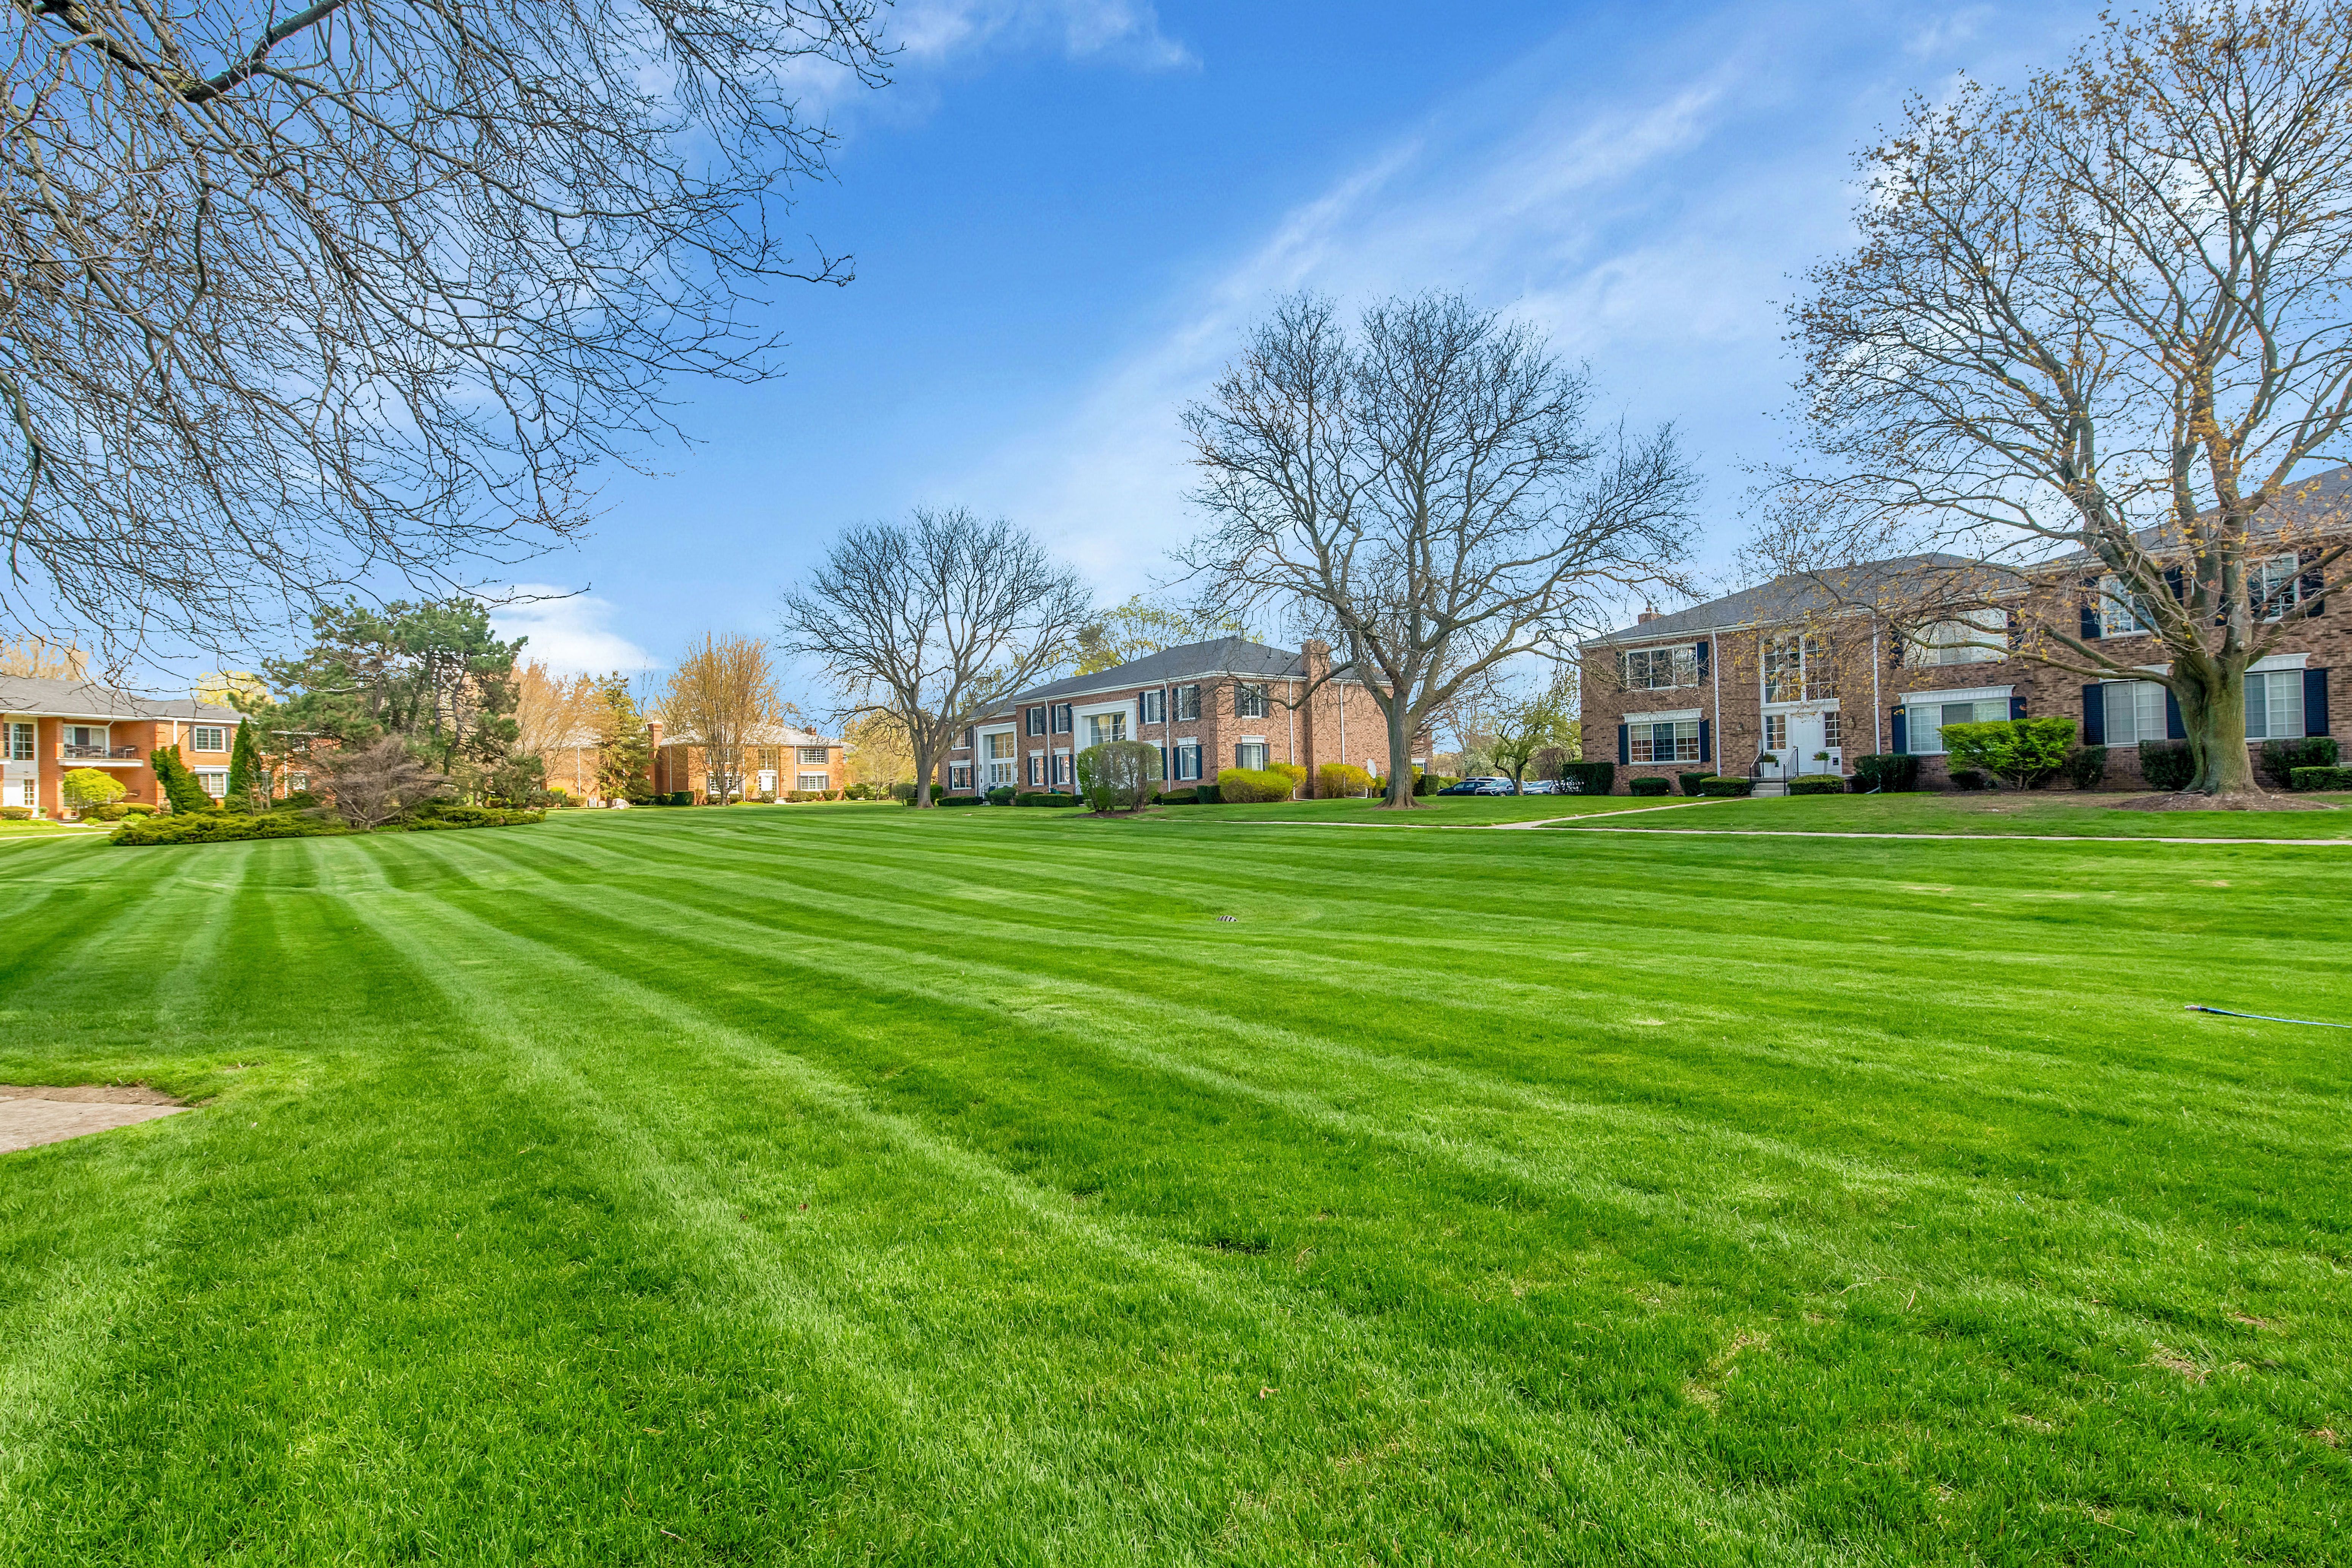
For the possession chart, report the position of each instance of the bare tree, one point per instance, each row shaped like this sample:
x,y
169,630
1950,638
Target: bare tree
x,y
372,785
723,692
2094,329
931,620
554,716
1427,497
293,297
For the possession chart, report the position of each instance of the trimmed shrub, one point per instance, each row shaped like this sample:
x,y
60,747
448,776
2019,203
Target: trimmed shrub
x,y
681,797
960,800
1587,778
2279,759
1118,775
222,827
180,785
86,787
1185,796
2167,765
1968,779
1249,786
1054,798
1426,783
112,811
1690,782
16,813
2087,768
1888,773
1291,771
1817,784
1334,780
138,808
2301,778
434,815
904,792
1001,796
1721,786
1207,794
1649,786
2023,754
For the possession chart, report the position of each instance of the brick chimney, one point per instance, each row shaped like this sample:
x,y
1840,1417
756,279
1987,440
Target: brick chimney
x,y
1649,613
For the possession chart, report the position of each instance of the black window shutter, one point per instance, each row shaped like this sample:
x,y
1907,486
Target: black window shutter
x,y
2176,582
2311,584
2095,715
2173,726
2315,702
2090,630
1700,650
1902,736
1706,738
2017,706
1624,745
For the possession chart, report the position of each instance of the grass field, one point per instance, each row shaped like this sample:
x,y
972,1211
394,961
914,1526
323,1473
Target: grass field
x,y
837,1185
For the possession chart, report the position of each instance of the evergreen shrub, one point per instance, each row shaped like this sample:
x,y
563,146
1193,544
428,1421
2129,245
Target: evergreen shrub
x,y
2279,759
1722,786
2310,778
1817,784
1587,778
1887,773
2167,765
1649,786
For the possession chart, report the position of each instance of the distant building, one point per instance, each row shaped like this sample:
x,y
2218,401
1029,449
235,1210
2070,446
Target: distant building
x,y
49,727
777,760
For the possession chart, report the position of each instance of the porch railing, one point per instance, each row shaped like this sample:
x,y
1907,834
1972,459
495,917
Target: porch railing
x,y
100,754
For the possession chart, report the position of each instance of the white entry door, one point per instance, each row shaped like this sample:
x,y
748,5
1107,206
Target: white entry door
x,y
1811,735
767,781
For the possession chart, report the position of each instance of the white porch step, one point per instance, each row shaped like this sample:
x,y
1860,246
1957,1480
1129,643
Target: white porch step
x,y
1768,788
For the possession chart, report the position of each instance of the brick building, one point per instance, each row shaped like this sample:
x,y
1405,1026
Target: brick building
x,y
1791,679
1208,706
777,760
49,727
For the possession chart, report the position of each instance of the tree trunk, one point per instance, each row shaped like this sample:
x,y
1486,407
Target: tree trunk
x,y
926,764
2213,712
1400,789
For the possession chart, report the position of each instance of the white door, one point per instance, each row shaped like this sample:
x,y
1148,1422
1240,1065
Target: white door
x,y
1809,736
767,781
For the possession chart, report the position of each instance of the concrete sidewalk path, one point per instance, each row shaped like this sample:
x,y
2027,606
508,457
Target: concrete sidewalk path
x,y
31,1117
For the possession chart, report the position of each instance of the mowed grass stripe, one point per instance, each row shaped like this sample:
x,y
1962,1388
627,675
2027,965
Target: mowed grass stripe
x,y
2137,1349
1351,1410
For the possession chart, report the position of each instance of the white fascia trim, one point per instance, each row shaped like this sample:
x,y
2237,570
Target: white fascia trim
x,y
1187,740
1250,739
1818,705
2279,661
1674,717
1959,694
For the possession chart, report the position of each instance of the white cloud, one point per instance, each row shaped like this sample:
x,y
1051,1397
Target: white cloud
x,y
567,630
1125,32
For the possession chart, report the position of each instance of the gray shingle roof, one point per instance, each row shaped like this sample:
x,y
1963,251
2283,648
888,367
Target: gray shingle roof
x,y
1190,661
1789,598
71,698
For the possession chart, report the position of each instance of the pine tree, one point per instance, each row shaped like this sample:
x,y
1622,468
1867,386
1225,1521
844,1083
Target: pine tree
x,y
248,781
180,785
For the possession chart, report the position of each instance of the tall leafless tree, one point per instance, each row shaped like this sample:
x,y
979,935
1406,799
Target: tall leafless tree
x,y
2096,327
293,297
722,693
931,620
1427,497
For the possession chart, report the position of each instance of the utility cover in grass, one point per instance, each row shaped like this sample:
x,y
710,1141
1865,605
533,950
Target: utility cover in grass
x,y
50,1115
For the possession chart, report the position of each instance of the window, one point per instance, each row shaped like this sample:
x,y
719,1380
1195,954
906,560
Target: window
x,y
2120,614
1033,720
1928,720
1036,765
1154,708
999,747
1657,668
297,783
1103,727
29,793
812,782
2274,704
1061,768
1250,754
2272,587
1776,730
1061,719
1249,701
1676,741
20,743
963,742
1830,730
814,756
2134,711
1187,760
215,779
203,738
1797,669
1979,637
1000,774
959,776
1188,702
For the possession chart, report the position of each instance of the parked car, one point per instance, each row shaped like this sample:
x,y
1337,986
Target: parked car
x,y
1478,786
1540,787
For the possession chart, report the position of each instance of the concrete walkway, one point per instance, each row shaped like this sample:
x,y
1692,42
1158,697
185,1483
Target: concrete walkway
x,y
31,1117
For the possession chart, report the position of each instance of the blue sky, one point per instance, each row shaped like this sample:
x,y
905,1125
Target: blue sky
x,y
1064,213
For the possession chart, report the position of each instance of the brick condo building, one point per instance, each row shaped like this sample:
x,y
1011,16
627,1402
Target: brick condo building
x,y
1791,677
50,726
1208,706
777,760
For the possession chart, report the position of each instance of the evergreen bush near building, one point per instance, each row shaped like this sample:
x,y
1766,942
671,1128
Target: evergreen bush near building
x,y
2279,759
1646,786
1722,785
249,780
1690,782
1588,778
2023,754
1886,772
1336,780
2087,768
1055,798
2167,765
1817,784
85,787
2330,778
180,786
1254,786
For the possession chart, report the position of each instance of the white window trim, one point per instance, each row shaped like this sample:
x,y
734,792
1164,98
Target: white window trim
x,y
1250,739
1957,694
2279,661
1678,716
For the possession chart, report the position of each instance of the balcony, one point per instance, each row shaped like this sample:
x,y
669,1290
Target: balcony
x,y
99,753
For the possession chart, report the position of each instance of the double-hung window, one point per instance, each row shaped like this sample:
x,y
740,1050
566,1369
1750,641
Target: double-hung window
x,y
1036,769
1187,760
1188,702
2274,704
959,776
20,743
1033,720
816,782
1672,741
1927,720
1061,768
2133,711
810,756
1797,668
1978,636
1154,707
1000,759
1249,701
2122,614
1104,728
1062,722
1659,668
203,738
2272,587
1251,755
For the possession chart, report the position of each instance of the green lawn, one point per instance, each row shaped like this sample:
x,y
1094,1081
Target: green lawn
x,y
2062,813
824,1186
